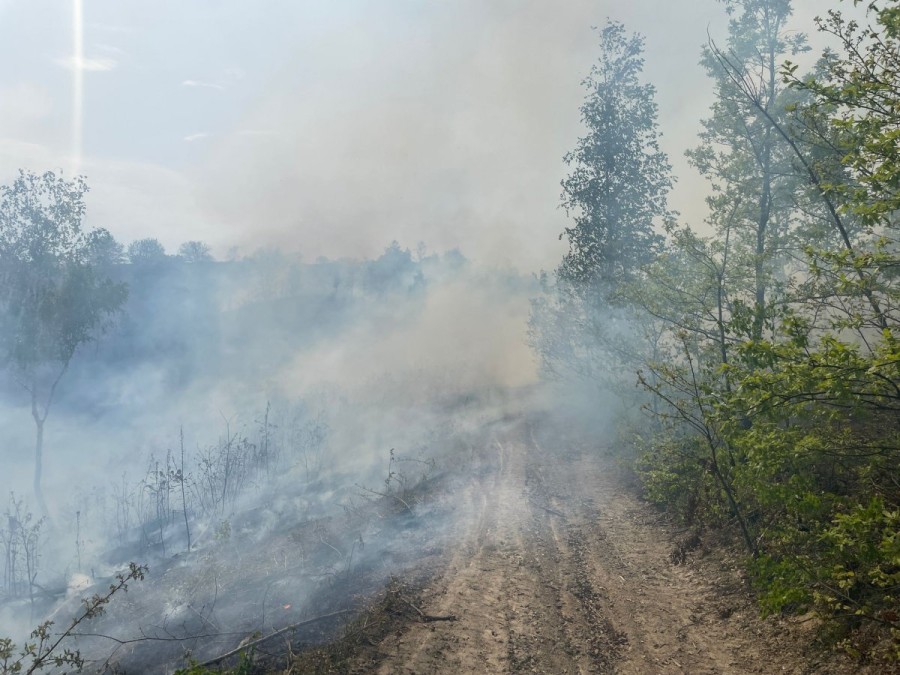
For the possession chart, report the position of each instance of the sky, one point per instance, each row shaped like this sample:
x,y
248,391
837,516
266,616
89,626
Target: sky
x,y
329,127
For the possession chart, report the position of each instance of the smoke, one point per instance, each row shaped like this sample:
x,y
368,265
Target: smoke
x,y
295,386
446,122
464,337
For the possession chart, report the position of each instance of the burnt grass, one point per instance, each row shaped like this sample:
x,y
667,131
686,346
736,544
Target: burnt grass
x,y
380,602
336,576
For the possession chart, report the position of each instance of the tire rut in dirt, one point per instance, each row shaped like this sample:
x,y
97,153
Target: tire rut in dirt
x,y
592,639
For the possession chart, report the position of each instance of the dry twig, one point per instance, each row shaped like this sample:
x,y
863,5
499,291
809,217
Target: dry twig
x,y
265,638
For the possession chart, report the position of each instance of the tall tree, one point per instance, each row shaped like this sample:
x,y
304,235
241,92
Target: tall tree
x,y
741,153
52,298
616,192
616,196
194,252
146,252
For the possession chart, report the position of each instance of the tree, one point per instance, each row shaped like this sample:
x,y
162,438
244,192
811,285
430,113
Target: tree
x,y
750,167
52,298
858,87
616,193
146,252
616,196
785,142
394,270
103,249
194,252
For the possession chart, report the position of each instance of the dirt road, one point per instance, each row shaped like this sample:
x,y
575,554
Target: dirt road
x,y
555,568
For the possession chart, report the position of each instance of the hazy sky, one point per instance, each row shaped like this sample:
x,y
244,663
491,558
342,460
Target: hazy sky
x,y
333,126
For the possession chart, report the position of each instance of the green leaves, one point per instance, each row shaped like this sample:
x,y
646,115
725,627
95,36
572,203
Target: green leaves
x,y
616,193
860,89
52,298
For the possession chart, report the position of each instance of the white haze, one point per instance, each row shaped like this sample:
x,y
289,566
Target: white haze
x,y
395,361
248,126
446,122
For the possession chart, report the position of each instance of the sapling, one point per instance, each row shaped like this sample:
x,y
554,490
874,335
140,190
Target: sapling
x,y
78,537
20,541
182,478
45,649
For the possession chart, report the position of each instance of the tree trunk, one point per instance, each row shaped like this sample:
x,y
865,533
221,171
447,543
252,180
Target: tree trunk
x,y
732,500
38,466
39,414
762,227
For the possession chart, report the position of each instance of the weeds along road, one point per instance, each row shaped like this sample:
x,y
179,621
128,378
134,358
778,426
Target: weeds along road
x,y
557,569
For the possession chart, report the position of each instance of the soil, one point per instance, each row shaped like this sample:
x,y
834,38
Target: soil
x,y
553,566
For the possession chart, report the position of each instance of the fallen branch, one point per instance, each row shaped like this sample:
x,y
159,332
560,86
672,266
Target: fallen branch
x,y
386,495
550,511
428,617
265,638
203,618
155,638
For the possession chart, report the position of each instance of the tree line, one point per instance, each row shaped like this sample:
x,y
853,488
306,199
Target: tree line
x,y
64,285
764,343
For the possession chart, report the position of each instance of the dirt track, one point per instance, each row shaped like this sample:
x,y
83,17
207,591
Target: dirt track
x,y
557,569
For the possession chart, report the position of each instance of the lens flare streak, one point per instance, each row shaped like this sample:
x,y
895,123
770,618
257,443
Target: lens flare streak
x,y
77,83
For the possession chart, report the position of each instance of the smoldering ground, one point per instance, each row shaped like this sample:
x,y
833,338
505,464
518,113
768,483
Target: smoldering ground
x,y
304,448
